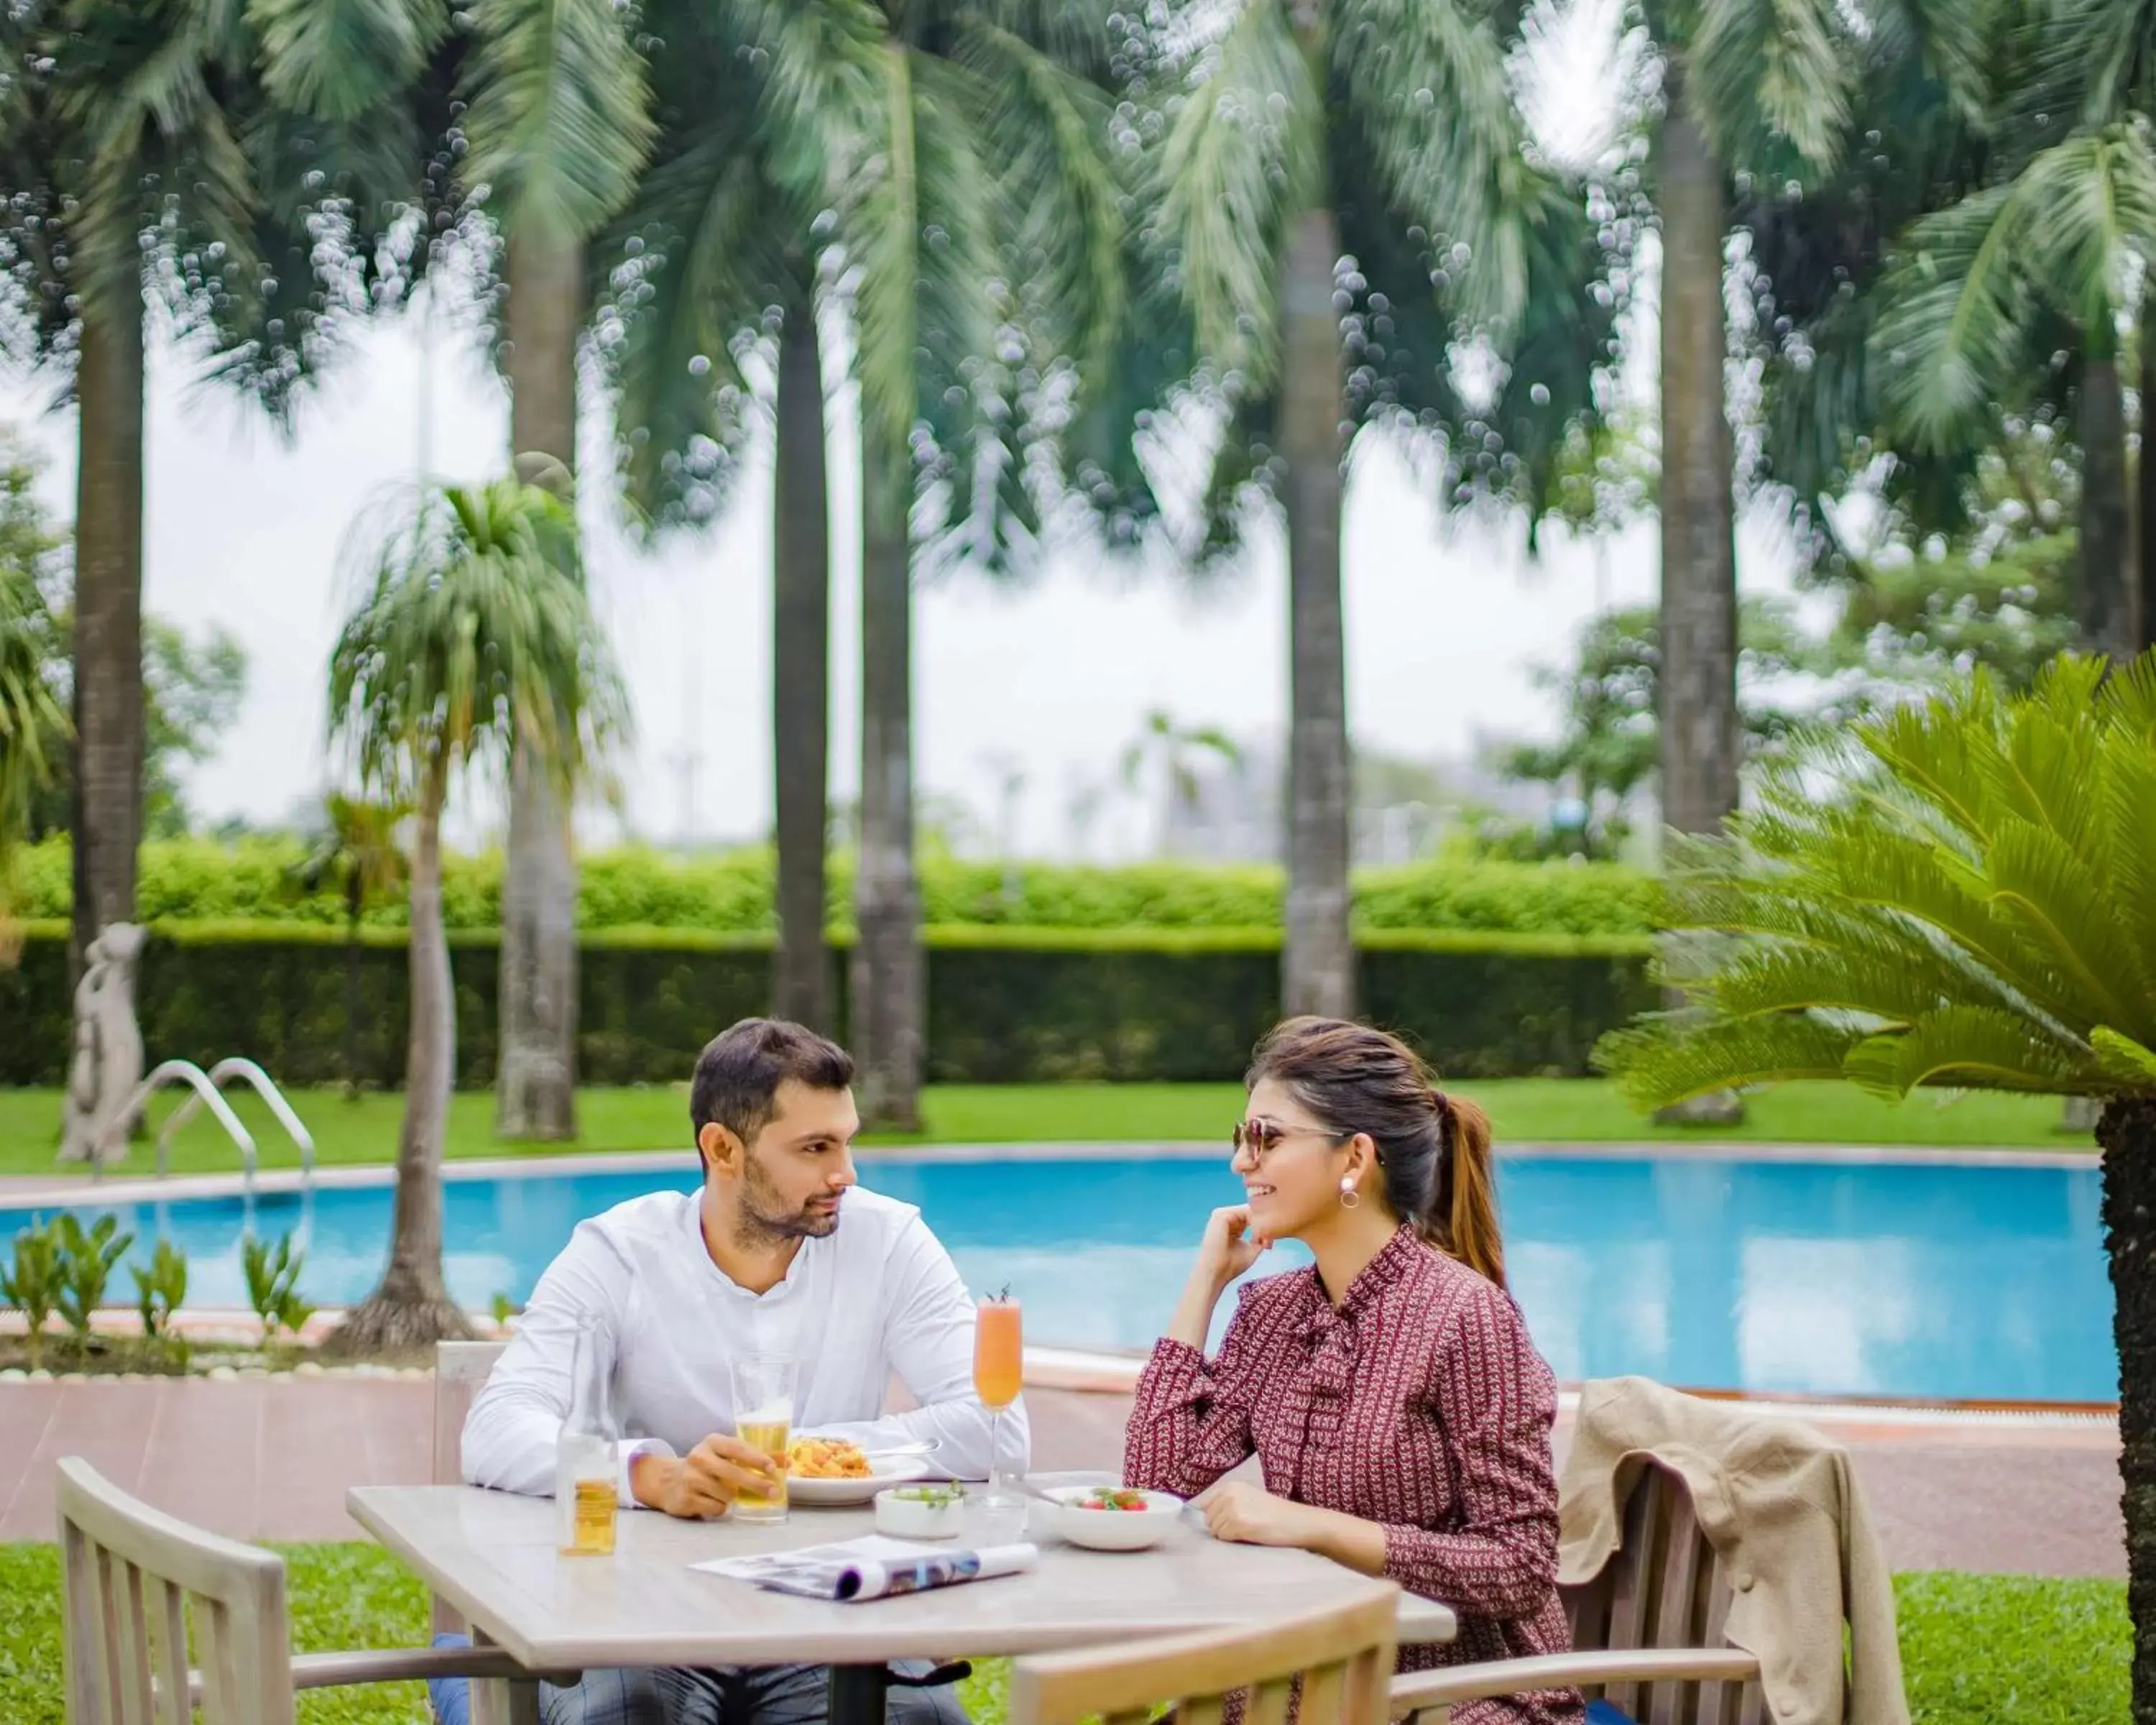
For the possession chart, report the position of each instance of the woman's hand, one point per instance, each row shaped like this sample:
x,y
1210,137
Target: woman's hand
x,y
1227,1250
1249,1515
1229,1247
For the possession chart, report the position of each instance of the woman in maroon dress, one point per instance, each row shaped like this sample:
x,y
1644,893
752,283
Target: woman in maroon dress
x,y
1390,1392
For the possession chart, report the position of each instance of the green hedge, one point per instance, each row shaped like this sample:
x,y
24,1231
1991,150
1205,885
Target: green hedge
x,y
1004,1005
201,880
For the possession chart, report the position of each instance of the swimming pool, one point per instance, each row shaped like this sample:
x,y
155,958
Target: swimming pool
x,y
1923,1279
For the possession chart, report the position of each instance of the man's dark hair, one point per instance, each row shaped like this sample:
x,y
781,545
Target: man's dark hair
x,y
740,1070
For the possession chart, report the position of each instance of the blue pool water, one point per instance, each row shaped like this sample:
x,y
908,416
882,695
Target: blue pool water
x,y
1872,1279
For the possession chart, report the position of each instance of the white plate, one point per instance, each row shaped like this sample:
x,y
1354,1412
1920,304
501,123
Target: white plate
x,y
826,1494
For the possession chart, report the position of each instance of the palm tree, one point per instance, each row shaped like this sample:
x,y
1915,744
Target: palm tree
x,y
1175,749
719,251
559,129
980,217
1982,292
1299,143
472,633
1974,910
139,149
1774,92
357,853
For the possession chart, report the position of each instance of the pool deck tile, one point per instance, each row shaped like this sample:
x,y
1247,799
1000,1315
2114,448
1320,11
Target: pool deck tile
x,y
271,1458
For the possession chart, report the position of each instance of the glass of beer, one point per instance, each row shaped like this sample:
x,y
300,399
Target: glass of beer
x,y
763,1420
998,1376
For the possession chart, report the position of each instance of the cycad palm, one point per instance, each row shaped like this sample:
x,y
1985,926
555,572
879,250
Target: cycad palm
x,y
1975,910
472,636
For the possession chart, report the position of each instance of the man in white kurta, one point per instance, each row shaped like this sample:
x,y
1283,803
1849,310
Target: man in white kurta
x,y
778,1252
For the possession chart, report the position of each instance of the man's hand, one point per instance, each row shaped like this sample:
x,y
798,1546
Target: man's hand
x,y
1249,1515
704,1482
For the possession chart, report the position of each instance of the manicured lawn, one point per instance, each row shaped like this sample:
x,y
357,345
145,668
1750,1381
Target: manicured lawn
x,y
1977,1650
655,1118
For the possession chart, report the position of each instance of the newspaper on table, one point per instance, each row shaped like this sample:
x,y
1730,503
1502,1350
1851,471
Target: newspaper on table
x,y
872,1568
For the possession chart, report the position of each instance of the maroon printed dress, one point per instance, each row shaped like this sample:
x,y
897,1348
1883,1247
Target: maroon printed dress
x,y
1420,1403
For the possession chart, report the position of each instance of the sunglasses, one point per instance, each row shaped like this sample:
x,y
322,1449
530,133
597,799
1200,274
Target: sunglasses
x,y
1258,1137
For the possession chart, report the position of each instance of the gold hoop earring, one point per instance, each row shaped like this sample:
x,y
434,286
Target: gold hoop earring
x,y
1349,1197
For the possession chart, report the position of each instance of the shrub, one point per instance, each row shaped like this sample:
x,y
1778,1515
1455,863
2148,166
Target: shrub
x,y
202,880
31,1285
1005,1003
273,1285
159,1291
87,1256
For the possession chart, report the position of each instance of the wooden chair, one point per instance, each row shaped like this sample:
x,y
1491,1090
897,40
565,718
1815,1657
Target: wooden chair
x,y
460,1369
141,1589
1646,1632
1340,1658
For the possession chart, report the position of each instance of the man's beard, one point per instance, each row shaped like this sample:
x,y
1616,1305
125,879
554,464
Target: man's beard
x,y
764,1222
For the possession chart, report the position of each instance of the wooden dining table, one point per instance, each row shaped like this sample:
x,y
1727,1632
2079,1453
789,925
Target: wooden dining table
x,y
493,1557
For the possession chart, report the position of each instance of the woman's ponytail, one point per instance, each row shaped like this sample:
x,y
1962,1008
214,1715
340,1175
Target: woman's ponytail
x,y
1462,1217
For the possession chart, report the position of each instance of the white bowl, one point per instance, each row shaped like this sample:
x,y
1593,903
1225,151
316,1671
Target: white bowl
x,y
904,1517
885,1470
1113,1529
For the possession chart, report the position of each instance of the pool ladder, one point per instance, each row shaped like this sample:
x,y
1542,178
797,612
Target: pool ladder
x,y
206,1091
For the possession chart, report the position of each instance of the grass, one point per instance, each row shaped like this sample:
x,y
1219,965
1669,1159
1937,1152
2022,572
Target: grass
x,y
1976,1650
655,1118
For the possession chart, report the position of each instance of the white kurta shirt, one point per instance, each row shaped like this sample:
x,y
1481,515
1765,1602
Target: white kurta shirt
x,y
877,1296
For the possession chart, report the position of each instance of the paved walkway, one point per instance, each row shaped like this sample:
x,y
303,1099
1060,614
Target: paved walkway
x,y
270,1459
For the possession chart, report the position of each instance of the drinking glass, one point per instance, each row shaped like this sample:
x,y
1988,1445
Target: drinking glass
x,y
763,1420
999,1375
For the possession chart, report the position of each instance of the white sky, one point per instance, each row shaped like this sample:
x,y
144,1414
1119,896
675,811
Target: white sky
x,y
1443,621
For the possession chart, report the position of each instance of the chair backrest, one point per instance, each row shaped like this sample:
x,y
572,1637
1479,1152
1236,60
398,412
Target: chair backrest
x,y
460,1368
1333,1667
134,1582
1663,1586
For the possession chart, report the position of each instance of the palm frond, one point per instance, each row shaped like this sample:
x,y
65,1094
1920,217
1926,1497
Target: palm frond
x,y
1427,79
335,60
1968,1048
559,121
1962,322
1672,1058
1047,129
1243,155
471,628
1761,75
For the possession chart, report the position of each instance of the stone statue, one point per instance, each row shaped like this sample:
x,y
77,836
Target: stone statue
x,y
107,1062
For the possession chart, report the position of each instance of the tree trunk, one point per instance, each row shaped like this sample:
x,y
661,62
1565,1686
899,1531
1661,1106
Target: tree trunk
x,y
2144,544
801,672
351,961
1318,972
2104,595
1697,677
2127,1134
411,1309
1698,672
889,992
535,1076
108,616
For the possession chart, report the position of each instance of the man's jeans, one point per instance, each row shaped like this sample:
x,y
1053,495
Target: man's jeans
x,y
758,1695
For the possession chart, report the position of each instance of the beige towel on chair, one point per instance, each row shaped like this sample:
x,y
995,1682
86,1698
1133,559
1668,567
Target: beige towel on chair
x,y
1780,1505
